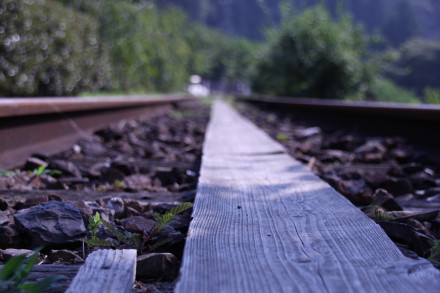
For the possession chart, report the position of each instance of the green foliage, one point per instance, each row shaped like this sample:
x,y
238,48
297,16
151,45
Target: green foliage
x,y
312,55
420,60
432,95
435,253
379,214
162,221
133,239
384,90
48,49
60,47
14,275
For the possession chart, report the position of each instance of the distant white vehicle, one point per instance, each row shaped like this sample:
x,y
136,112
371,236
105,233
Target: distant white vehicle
x,y
196,87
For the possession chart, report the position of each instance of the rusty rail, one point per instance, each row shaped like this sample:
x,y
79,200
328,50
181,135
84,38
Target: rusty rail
x,y
48,125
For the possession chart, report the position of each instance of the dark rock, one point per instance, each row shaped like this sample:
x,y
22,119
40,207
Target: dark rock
x,y
3,204
94,149
382,198
162,208
138,182
431,192
123,167
66,167
51,223
64,257
139,206
137,224
106,214
4,217
54,196
33,163
356,191
181,222
412,167
435,198
113,203
111,175
311,146
10,237
396,171
401,232
330,156
345,143
422,180
419,227
402,155
30,202
398,186
166,176
52,183
305,133
9,253
157,266
370,146
406,252
375,179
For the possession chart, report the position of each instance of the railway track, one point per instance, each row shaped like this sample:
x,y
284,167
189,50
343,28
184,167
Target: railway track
x,y
262,222
417,123
48,125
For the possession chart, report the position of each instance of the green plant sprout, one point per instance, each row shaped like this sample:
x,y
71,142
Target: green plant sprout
x,y
133,239
281,136
15,273
44,170
380,215
435,253
161,222
9,173
119,184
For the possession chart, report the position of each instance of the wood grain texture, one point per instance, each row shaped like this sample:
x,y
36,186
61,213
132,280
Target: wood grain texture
x,y
229,135
265,223
106,271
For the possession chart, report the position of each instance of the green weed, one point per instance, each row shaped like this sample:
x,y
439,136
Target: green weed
x,y
435,253
134,240
15,273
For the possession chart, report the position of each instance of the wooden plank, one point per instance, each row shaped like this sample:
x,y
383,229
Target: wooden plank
x,y
265,223
228,135
106,271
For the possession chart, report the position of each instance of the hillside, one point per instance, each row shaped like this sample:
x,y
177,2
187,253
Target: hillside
x,y
398,20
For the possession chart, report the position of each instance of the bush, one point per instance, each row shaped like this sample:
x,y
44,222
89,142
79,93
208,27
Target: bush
x,y
384,90
49,50
312,55
432,95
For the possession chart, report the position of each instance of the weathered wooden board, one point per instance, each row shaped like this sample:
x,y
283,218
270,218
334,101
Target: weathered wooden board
x,y
231,135
106,271
265,223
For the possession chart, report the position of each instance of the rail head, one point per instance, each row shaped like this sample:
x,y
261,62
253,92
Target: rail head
x,y
409,111
15,107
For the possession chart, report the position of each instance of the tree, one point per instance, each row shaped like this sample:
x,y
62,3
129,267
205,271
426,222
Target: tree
x,y
313,56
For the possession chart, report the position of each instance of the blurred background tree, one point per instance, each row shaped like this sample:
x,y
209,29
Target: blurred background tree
x,y
67,47
312,55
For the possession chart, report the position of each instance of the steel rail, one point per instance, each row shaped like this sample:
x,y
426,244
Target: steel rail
x,y
49,125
